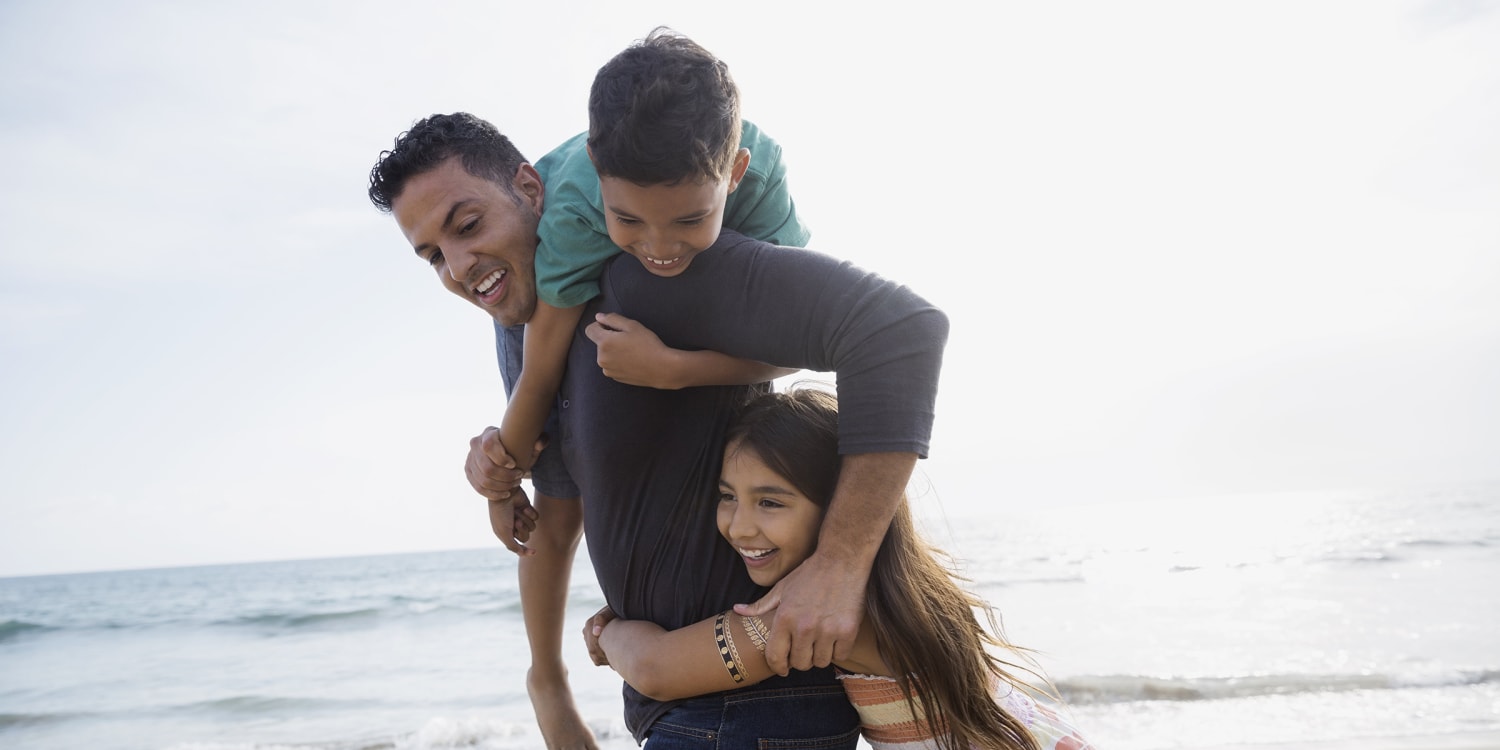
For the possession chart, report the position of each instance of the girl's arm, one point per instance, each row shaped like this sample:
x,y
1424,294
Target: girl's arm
x,y
667,665
631,354
543,360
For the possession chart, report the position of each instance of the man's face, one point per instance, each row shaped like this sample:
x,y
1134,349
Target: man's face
x,y
479,239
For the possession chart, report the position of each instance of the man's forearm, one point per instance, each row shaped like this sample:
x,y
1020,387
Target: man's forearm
x,y
871,486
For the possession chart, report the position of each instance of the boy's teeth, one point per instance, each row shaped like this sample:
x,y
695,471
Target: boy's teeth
x,y
667,262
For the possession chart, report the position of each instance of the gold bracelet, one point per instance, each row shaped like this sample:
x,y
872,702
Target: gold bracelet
x,y
727,651
756,629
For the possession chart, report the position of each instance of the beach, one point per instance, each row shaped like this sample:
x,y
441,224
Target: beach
x,y
1356,619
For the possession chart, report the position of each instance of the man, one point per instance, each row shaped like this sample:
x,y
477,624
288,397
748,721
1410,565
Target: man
x,y
647,460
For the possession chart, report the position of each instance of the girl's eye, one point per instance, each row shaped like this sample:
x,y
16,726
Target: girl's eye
x,y
725,497
767,502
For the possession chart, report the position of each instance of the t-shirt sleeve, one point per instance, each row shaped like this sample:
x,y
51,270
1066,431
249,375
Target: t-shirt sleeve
x,y
762,205
573,242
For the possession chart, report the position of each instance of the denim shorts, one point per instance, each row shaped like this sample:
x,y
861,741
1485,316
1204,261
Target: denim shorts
x,y
549,475
790,718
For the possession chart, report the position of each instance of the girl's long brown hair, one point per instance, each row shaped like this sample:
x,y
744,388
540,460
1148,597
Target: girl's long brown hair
x,y
925,622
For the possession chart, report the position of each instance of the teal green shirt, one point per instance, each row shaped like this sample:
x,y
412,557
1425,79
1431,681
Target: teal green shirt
x,y
574,243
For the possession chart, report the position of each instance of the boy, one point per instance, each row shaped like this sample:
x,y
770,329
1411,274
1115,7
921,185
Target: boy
x,y
666,163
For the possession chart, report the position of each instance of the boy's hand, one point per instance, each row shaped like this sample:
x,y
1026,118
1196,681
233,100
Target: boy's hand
x,y
591,632
513,520
493,474
631,354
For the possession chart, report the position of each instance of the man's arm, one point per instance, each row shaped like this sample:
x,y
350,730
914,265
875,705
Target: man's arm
x,y
819,605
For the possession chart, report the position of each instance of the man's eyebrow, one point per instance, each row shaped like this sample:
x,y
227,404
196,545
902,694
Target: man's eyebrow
x,y
447,222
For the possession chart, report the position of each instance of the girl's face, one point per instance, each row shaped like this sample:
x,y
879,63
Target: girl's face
x,y
773,526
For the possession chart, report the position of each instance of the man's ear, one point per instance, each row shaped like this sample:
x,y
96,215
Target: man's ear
x,y
528,186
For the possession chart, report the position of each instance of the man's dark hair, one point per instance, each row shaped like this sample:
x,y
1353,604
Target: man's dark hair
x,y
481,148
662,111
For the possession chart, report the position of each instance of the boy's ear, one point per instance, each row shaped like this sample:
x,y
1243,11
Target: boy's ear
x,y
741,163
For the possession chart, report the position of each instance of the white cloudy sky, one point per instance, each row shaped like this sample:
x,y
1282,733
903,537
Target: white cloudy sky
x,y
1189,249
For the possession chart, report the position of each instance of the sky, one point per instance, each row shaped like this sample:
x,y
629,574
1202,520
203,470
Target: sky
x,y
1188,250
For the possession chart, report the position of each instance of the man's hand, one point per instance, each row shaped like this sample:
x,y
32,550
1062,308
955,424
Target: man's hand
x,y
630,353
490,469
814,614
493,474
591,632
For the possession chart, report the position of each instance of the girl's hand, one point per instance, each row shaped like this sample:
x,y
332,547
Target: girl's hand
x,y
592,629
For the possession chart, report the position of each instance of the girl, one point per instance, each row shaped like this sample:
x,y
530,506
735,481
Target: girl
x,y
921,672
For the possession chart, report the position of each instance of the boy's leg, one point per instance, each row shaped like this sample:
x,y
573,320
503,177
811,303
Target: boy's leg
x,y
545,574
544,578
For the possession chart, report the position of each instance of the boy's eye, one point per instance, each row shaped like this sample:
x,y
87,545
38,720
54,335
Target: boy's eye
x,y
435,258
468,226
690,222
625,222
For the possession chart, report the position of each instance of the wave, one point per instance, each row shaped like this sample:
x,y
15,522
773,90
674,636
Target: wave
x,y
11,721
17,628
1129,688
265,704
305,619
440,733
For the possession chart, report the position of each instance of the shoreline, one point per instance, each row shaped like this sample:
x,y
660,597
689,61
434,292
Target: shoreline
x,y
1487,740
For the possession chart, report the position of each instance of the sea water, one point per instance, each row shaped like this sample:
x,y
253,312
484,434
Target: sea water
x,y
1185,624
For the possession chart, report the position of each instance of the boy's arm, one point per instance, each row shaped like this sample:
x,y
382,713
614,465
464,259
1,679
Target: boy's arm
x,y
631,354
668,665
545,356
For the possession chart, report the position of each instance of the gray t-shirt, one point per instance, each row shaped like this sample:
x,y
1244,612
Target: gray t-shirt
x,y
647,461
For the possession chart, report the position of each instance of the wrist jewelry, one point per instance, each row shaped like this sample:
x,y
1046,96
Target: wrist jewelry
x,y
756,629
727,651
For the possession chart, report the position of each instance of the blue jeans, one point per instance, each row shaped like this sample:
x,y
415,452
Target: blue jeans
x,y
778,719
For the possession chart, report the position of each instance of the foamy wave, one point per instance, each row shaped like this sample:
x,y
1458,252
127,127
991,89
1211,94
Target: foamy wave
x,y
443,733
1127,688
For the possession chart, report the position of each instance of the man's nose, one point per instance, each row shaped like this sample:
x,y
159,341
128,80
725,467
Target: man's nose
x,y
459,261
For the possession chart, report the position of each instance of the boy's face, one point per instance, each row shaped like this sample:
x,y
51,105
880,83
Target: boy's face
x,y
665,226
479,239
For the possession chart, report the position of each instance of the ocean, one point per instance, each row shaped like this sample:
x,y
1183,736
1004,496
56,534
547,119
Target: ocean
x,y
1330,617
